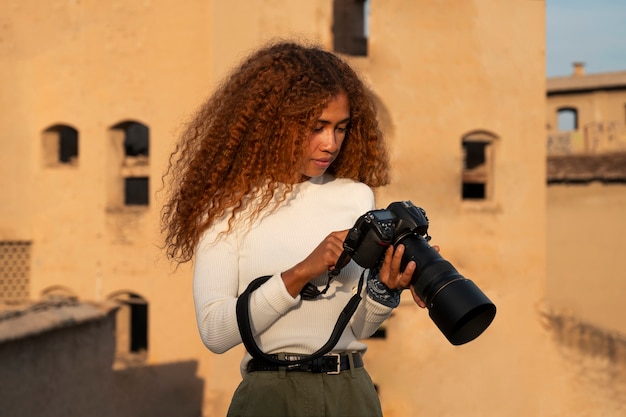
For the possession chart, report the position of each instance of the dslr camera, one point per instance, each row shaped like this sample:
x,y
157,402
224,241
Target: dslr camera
x,y
455,304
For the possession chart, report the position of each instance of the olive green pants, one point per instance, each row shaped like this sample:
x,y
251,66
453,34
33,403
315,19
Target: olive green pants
x,y
303,394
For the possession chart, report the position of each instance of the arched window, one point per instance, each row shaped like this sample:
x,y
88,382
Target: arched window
x,y
136,139
60,145
350,26
131,327
130,153
478,162
567,119
58,292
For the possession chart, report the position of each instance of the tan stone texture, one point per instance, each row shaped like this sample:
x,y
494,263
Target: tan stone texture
x,y
440,69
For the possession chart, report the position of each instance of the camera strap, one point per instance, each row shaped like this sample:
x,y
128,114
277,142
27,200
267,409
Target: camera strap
x,y
245,330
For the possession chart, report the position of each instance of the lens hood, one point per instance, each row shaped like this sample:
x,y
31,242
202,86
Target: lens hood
x,y
461,311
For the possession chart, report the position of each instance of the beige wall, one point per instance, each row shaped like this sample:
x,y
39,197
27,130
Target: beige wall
x,y
449,72
586,241
585,287
439,71
93,65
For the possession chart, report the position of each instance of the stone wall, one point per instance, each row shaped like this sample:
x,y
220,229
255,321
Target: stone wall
x,y
62,366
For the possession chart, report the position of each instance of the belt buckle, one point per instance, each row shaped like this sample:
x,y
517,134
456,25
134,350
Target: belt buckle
x,y
338,370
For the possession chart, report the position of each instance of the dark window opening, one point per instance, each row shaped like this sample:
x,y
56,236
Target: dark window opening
x,y
474,154
60,146
350,26
131,328
567,119
137,139
68,144
473,191
136,191
138,327
478,163
130,149
474,170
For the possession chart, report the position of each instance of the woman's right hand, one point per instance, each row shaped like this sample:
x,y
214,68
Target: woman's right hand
x,y
322,259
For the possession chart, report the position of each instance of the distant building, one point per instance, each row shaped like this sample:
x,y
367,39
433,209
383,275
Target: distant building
x,y
586,231
586,113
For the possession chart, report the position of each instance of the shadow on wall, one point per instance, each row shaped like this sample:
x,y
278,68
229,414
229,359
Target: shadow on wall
x,y
159,391
68,371
595,359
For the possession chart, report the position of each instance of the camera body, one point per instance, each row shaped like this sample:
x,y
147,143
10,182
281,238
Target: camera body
x,y
456,305
374,231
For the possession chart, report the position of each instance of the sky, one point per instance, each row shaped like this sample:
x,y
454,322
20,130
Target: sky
x,y
589,31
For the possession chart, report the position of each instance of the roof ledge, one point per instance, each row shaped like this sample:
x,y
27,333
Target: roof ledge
x,y
35,318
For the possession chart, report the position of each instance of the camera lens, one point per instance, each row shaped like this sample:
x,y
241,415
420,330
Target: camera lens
x,y
455,304
461,311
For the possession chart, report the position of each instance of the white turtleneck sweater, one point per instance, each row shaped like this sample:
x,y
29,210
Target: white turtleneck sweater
x,y
225,265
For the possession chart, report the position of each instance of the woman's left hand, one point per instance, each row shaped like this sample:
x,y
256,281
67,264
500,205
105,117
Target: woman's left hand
x,y
393,278
390,274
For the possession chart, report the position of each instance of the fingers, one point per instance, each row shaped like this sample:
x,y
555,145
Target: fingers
x,y
336,240
385,270
340,235
390,273
391,276
329,251
322,259
332,245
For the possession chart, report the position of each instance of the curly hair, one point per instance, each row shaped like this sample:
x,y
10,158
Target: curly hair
x,y
251,132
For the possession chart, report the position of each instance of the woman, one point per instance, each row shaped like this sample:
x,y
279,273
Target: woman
x,y
268,177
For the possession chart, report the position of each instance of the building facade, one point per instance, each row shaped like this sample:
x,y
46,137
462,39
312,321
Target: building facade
x,y
586,116
95,94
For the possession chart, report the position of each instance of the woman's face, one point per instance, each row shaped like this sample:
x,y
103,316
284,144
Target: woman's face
x,y
326,138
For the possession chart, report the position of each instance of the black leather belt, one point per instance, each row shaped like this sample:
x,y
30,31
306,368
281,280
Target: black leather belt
x,y
332,363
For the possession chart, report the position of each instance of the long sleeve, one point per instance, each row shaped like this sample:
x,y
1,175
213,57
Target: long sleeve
x,y
226,264
216,288
369,316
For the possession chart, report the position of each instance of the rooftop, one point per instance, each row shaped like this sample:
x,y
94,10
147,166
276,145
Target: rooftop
x,y
26,319
580,82
586,168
